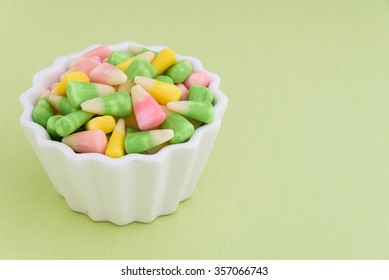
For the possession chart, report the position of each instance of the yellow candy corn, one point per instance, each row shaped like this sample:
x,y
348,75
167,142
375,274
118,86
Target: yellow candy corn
x,y
164,59
162,92
149,56
76,76
104,123
115,147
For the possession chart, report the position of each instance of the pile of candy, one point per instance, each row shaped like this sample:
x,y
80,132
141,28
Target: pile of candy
x,y
117,102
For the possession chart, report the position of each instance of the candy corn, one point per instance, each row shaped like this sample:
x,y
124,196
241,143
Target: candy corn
x,y
162,92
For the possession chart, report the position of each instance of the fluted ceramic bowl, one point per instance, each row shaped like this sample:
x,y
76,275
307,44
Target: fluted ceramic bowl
x,y
135,187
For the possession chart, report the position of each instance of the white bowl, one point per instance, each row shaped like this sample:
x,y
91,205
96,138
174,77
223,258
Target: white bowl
x,y
135,187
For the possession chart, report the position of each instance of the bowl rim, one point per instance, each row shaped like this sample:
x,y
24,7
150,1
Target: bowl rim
x,y
42,138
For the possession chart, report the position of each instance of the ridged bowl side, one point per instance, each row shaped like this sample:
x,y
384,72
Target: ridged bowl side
x,y
132,188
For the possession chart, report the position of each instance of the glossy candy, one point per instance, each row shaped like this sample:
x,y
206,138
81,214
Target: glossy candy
x,y
201,111
76,76
139,142
148,113
180,71
161,91
89,141
117,57
62,104
42,110
87,64
104,123
198,78
78,92
163,60
102,52
117,104
71,122
182,128
115,147
143,101
108,74
200,93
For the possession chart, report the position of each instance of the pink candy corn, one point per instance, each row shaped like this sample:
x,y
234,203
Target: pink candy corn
x,y
184,91
198,78
108,74
101,51
87,64
89,141
148,113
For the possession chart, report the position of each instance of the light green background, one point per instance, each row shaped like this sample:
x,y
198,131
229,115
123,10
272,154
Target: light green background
x,y
300,169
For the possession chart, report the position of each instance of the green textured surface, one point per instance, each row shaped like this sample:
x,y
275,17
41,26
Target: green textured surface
x,y
300,167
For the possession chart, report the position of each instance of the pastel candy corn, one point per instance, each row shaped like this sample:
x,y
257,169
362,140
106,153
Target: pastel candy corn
x,y
51,127
182,128
198,78
115,147
89,141
78,92
104,123
108,74
161,91
135,50
76,76
148,113
184,91
201,111
62,104
200,93
87,64
139,142
180,71
117,104
164,78
149,56
42,110
101,51
163,60
140,67
117,57
71,122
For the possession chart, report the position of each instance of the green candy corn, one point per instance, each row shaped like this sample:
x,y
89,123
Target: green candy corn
x,y
117,105
201,111
51,127
62,104
164,78
139,142
140,67
180,71
78,92
42,110
71,122
117,57
183,129
200,93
